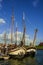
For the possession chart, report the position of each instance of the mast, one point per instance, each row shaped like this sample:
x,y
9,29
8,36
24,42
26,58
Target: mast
x,y
5,38
16,33
24,30
12,25
6,49
35,37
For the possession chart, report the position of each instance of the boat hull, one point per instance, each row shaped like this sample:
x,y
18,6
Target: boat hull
x,y
20,54
16,56
1,58
30,52
5,57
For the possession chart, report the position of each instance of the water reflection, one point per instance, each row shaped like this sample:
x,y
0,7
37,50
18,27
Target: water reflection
x,y
4,62
25,61
30,61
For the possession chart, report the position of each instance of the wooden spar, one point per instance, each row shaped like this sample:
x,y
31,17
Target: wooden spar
x,y
5,43
12,26
16,33
5,38
24,30
34,37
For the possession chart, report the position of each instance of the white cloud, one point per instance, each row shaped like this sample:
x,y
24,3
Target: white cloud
x,y
1,35
19,34
35,3
2,20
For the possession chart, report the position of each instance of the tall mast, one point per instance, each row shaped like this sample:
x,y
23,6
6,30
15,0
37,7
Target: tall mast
x,y
35,37
5,44
12,25
16,33
24,29
5,38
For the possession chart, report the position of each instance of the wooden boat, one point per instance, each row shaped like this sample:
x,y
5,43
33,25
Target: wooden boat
x,y
31,51
21,51
5,57
17,53
1,57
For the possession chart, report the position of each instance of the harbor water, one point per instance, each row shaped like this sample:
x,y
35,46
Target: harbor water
x,y
37,60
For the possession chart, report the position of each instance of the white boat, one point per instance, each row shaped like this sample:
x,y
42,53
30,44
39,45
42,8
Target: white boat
x,y
20,52
17,53
1,58
31,52
5,57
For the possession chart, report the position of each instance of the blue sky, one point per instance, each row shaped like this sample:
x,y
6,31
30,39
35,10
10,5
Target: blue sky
x,y
33,10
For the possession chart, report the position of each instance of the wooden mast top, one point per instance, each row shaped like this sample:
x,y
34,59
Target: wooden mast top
x,y
5,38
12,25
16,33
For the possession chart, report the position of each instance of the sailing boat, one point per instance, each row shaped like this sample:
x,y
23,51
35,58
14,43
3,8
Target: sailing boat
x,y
18,52
5,56
31,51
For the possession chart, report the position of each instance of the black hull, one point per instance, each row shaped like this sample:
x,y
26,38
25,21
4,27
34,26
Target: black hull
x,y
1,59
31,54
16,56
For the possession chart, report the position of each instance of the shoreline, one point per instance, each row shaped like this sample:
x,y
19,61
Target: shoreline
x,y
37,47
